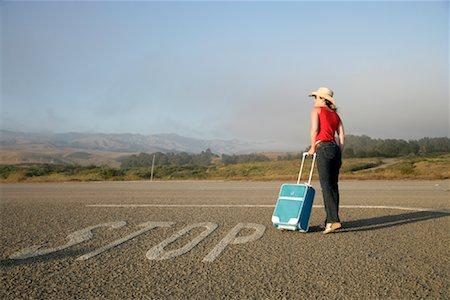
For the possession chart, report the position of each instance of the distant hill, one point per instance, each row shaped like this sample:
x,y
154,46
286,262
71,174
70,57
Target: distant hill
x,y
112,149
99,148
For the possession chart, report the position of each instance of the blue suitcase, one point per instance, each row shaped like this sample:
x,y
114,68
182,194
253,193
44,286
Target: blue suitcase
x,y
295,201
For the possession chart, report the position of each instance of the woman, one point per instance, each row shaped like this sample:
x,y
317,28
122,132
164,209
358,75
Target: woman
x,y
325,123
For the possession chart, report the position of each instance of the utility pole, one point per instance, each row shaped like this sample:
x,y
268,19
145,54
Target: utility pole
x,y
153,164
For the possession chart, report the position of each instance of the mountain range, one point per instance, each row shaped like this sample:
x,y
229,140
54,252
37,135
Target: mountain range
x,y
100,148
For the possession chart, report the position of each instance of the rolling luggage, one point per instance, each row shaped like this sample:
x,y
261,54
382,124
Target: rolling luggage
x,y
294,203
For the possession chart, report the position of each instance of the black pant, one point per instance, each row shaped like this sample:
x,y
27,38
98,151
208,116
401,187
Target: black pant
x,y
329,161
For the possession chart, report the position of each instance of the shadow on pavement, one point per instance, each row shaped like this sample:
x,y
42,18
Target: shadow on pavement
x,y
390,221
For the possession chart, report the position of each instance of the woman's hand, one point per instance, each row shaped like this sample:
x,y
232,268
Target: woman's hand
x,y
311,151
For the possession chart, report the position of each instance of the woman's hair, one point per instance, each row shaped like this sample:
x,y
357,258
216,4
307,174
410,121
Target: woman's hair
x,y
330,105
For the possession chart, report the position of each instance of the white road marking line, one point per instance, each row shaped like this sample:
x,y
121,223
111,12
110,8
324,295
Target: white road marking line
x,y
447,211
269,206
178,205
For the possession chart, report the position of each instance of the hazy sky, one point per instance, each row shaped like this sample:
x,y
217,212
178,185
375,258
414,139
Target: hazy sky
x,y
225,69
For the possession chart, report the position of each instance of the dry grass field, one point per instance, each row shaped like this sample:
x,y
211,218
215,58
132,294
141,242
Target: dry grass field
x,y
406,168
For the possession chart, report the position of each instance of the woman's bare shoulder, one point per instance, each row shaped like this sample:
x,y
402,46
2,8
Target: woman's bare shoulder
x,y
316,110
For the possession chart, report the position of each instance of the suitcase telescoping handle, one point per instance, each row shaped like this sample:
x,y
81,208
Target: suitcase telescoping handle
x,y
305,154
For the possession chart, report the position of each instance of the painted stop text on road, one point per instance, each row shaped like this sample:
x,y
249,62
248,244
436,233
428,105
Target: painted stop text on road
x,y
157,252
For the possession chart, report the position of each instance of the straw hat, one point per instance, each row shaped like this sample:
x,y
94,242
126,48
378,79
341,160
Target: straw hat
x,y
323,92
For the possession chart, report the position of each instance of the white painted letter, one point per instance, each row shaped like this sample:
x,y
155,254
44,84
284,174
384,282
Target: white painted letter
x,y
231,238
147,226
158,252
74,239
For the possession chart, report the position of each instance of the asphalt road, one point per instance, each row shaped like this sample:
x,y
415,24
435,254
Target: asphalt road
x,y
215,240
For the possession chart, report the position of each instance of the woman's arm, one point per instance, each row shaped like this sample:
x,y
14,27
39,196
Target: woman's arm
x,y
341,135
314,129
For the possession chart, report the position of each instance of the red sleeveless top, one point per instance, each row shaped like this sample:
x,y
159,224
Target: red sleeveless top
x,y
328,125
